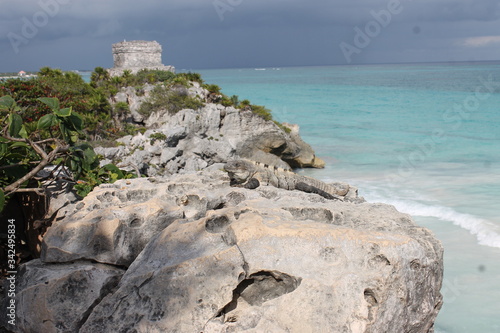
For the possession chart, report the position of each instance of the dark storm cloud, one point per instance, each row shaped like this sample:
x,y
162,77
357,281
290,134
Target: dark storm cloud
x,y
236,33
484,10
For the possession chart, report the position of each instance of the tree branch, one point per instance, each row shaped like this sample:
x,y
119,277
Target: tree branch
x,y
10,166
39,150
46,140
46,159
31,189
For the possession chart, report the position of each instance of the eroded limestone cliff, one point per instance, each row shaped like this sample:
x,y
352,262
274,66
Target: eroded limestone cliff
x,y
189,253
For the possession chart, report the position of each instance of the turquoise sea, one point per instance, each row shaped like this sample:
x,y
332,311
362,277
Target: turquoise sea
x,y
422,137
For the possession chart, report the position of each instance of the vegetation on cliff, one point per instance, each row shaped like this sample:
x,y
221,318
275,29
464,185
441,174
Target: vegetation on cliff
x,y
56,118
56,138
50,124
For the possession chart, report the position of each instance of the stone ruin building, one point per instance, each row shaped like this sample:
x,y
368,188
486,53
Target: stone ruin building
x,y
136,55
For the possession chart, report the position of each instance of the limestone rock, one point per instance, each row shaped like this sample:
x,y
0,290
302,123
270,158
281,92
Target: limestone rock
x,y
117,221
281,262
134,98
59,298
213,134
263,260
196,91
307,158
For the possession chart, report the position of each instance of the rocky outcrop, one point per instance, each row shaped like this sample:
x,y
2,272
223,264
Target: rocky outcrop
x,y
193,140
201,256
58,298
134,100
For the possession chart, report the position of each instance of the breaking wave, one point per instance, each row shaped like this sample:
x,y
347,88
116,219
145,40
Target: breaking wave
x,y
486,232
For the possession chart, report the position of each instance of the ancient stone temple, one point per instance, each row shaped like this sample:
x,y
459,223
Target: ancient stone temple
x,y
136,55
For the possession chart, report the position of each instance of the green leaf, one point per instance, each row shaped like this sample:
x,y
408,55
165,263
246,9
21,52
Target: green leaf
x,y
23,133
15,124
89,159
47,121
3,149
51,102
15,145
2,200
7,103
76,121
66,112
116,173
82,147
112,168
74,166
82,189
66,133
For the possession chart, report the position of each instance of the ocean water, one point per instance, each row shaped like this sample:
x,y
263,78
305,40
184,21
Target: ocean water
x,y
422,137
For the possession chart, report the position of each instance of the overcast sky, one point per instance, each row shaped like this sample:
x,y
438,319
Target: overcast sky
x,y
200,34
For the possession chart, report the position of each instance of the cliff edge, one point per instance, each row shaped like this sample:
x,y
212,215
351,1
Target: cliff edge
x,y
190,253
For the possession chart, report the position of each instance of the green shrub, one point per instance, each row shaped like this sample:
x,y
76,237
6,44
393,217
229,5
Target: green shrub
x,y
25,149
172,102
212,88
139,91
283,127
49,72
235,101
99,77
72,92
147,108
157,137
194,77
262,112
121,107
153,76
226,101
131,129
244,103
181,81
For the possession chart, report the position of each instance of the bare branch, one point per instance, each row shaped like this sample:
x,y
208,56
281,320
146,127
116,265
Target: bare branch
x,y
10,166
47,158
39,150
37,190
46,141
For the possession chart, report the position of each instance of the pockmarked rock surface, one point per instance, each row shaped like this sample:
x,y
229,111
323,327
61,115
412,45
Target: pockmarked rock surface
x,y
201,256
57,298
115,221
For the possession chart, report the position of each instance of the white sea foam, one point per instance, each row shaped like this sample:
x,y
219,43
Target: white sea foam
x,y
486,232
417,204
